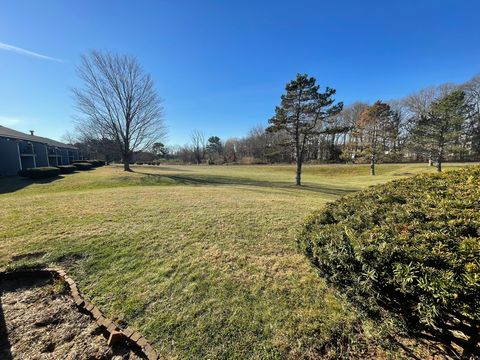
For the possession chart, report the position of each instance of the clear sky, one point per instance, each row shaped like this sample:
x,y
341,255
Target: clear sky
x,y
221,66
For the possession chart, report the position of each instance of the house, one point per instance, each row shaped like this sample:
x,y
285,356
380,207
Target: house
x,y
21,151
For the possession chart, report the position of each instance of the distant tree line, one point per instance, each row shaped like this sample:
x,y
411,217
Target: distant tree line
x,y
436,124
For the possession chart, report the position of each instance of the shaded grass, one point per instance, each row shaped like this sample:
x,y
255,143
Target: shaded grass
x,y
202,260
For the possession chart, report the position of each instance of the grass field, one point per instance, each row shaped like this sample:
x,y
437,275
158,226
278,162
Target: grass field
x,y
202,260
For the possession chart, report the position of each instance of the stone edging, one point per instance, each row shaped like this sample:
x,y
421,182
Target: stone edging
x,y
116,334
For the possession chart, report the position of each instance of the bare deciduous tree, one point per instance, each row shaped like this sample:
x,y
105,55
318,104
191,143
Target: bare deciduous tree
x,y
472,125
372,124
198,145
118,101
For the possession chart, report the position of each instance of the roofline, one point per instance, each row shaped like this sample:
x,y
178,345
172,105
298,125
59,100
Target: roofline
x,y
18,135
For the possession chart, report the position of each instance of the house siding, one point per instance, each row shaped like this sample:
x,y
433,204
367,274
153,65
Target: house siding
x,y
41,154
9,159
65,160
20,151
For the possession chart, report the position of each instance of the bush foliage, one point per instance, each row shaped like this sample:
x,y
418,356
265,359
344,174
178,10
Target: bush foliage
x,y
411,247
67,169
97,163
82,166
94,163
39,172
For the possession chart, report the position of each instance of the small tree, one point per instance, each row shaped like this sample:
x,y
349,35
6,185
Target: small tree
x,y
118,101
439,130
198,146
301,109
372,122
214,148
230,150
472,125
159,149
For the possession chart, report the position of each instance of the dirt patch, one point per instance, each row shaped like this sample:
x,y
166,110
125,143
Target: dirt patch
x,y
38,320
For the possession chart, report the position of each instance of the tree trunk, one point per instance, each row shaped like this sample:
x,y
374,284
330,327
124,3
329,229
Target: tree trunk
x,y
126,162
440,160
298,179
372,165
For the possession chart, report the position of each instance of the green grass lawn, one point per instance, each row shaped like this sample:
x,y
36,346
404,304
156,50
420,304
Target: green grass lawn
x,y
201,259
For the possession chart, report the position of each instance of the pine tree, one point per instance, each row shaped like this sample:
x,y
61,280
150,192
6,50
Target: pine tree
x,y
439,130
302,108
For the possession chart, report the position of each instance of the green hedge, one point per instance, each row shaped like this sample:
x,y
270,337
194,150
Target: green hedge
x,y
39,172
95,163
411,247
67,169
83,166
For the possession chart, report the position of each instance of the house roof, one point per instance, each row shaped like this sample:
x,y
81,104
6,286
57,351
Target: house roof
x,y
14,134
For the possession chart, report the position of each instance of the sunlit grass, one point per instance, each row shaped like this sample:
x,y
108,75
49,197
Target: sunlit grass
x,y
202,260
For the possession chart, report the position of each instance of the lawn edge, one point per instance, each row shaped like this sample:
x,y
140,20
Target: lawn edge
x,y
116,334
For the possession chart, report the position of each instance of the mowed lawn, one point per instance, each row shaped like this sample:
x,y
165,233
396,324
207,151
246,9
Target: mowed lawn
x,y
201,259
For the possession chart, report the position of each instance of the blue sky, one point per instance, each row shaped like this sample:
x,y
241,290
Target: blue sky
x,y
221,66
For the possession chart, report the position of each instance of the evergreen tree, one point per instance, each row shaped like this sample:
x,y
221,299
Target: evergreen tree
x,y
159,149
302,108
214,149
438,132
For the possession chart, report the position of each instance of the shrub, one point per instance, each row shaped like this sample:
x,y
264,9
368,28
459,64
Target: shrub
x,y
139,163
411,247
39,172
95,163
67,169
83,166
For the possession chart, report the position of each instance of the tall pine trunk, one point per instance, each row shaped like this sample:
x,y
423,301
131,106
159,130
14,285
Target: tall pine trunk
x,y
299,157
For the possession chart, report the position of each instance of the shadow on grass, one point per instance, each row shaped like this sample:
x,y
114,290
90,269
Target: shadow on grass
x,y
226,180
15,183
160,167
172,168
5,346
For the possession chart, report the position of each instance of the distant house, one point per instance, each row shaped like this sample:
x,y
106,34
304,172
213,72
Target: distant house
x,y
21,151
